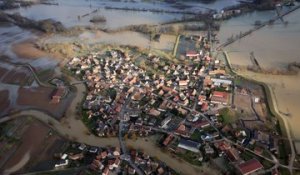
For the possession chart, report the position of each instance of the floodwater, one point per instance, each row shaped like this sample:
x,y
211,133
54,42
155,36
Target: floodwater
x,y
242,23
67,12
10,35
181,166
100,37
274,46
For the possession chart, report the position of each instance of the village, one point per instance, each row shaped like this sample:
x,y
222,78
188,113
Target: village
x,y
166,101
189,105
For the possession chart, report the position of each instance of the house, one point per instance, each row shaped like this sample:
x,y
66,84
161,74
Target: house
x,y
117,151
57,95
93,150
217,16
233,154
96,165
61,163
218,82
207,82
183,131
201,99
249,167
208,150
219,98
137,96
165,122
222,145
103,154
131,170
168,140
192,54
117,163
201,124
105,171
217,72
76,156
154,112
183,83
160,171
82,147
204,107
189,145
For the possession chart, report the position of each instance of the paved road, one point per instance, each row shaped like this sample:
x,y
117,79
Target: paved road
x,y
284,119
122,141
288,131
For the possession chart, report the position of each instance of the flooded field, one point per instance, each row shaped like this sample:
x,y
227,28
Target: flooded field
x,y
274,48
67,12
33,147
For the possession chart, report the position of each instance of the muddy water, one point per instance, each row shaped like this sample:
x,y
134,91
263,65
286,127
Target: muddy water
x,y
181,166
273,46
67,12
10,35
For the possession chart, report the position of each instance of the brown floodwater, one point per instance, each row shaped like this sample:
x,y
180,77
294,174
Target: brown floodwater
x,y
273,46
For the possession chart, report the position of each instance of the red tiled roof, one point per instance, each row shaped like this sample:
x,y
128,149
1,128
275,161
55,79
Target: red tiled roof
x,y
204,107
200,123
221,97
168,140
58,92
220,94
191,53
250,166
232,154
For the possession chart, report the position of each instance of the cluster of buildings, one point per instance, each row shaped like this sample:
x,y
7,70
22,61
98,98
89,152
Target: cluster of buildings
x,y
183,102
109,160
112,77
101,160
59,92
150,165
225,14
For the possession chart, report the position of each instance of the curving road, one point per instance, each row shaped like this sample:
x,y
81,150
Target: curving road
x,y
284,119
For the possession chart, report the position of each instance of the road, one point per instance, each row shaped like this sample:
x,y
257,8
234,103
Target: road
x,y
31,69
288,131
284,119
121,138
69,127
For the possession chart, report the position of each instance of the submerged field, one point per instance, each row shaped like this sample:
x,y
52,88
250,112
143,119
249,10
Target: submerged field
x,y
274,48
